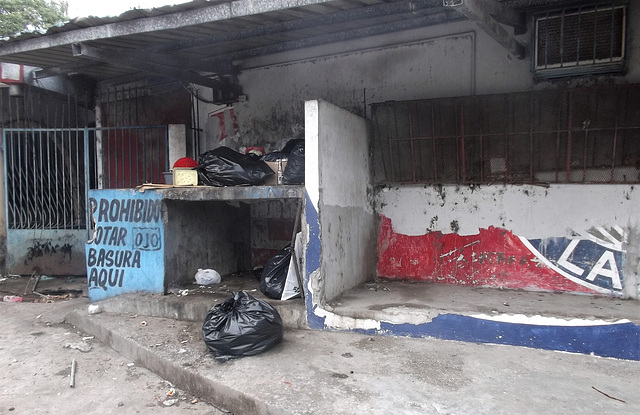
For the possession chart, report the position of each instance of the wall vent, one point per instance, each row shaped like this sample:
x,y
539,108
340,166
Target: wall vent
x,y
580,40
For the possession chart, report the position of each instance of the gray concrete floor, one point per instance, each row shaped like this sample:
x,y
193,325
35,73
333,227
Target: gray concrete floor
x,y
320,372
314,372
36,369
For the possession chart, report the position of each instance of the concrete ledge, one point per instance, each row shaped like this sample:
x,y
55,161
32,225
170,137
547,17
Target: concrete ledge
x,y
194,307
216,393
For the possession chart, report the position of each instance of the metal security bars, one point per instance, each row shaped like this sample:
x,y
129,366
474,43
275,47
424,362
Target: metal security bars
x,y
49,171
587,135
581,39
125,157
45,178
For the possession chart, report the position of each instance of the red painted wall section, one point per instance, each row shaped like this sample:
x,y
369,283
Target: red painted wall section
x,y
493,258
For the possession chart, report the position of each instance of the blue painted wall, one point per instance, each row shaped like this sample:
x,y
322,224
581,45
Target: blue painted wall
x,y
126,252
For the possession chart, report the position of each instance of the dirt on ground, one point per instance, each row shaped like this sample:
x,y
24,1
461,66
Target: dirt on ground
x,y
38,353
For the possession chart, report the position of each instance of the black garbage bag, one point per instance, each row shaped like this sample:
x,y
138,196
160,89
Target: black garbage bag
x,y
288,148
241,326
225,167
294,171
274,274
275,156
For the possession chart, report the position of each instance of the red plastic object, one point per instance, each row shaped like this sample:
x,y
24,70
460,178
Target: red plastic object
x,y
185,162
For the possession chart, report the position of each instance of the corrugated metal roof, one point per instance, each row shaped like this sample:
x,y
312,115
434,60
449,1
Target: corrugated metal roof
x,y
202,34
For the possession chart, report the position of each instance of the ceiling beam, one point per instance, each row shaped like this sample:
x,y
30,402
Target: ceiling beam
x,y
480,12
133,60
343,16
217,12
183,62
405,24
63,70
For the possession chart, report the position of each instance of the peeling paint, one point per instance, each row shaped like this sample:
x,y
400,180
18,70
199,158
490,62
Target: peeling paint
x,y
496,257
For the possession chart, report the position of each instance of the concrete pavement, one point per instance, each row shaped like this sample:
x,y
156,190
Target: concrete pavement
x,y
323,372
328,372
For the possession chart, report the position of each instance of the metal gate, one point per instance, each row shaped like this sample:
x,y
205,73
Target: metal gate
x,y
48,173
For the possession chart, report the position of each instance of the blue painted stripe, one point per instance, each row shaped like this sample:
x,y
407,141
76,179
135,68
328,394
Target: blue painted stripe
x,y
312,261
615,340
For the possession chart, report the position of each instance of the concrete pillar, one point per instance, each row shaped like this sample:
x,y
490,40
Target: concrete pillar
x,y
3,216
177,142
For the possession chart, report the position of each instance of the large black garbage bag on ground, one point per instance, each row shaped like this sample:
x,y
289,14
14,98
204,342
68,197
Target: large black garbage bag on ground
x,y
241,326
225,167
294,171
274,274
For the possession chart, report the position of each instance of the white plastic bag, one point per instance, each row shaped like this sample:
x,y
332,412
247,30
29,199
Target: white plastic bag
x,y
207,277
291,288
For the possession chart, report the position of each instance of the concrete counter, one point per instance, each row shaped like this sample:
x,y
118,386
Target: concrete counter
x,y
155,237
231,193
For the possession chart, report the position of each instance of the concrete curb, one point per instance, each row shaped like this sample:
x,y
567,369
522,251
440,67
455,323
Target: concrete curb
x,y
214,392
192,308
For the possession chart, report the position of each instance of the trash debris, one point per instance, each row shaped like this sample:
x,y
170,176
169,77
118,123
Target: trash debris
x,y
293,281
207,277
84,339
94,309
131,364
608,396
170,402
241,326
223,166
274,274
294,170
82,346
171,392
182,351
73,374
194,401
12,299
143,323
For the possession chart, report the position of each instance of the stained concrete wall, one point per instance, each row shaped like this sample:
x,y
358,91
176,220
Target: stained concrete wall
x,y
50,252
448,60
205,235
338,181
564,237
272,223
457,59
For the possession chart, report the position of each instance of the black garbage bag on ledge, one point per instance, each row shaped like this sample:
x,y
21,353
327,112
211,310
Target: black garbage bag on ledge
x,y
241,326
294,171
225,167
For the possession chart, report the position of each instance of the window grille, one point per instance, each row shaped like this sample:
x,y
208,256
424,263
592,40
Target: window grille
x,y
584,135
580,40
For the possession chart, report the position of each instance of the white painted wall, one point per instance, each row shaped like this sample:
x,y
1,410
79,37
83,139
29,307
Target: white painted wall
x,y
177,142
526,210
339,141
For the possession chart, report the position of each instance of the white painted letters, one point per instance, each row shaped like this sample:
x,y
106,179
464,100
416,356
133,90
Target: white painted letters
x,y
564,259
611,272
